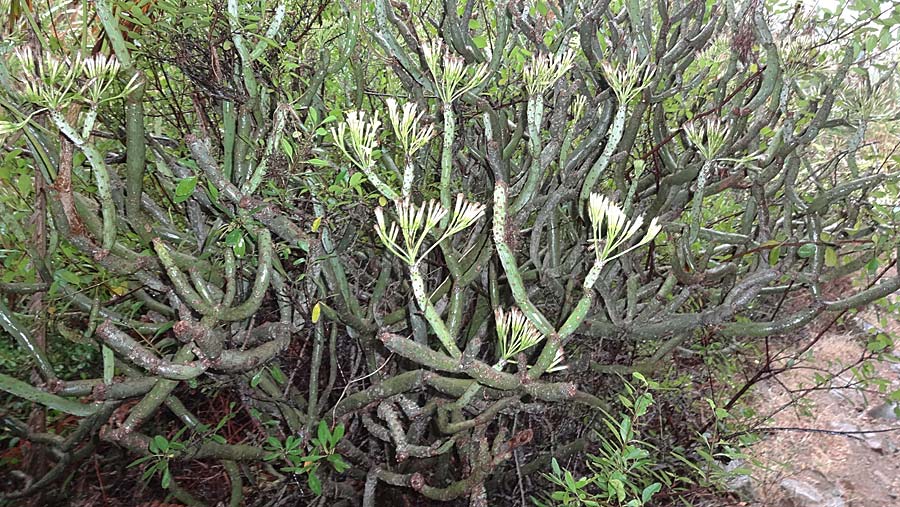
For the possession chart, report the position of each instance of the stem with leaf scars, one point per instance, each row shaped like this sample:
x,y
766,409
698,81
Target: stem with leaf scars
x,y
447,155
615,136
508,261
101,178
138,354
437,323
535,115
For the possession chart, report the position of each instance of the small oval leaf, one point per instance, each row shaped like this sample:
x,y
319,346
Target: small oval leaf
x,y
807,250
316,312
185,188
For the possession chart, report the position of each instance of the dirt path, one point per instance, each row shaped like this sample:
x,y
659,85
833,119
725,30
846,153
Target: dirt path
x,y
855,466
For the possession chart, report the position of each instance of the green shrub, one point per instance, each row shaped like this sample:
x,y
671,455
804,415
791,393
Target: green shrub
x,y
438,226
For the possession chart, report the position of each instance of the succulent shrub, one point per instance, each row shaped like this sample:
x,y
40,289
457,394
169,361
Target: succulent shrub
x,y
450,221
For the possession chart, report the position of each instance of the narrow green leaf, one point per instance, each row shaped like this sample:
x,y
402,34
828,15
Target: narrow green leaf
x,y
315,485
323,433
24,185
337,463
318,162
212,191
166,478
277,374
649,491
337,434
625,429
570,481
774,255
109,364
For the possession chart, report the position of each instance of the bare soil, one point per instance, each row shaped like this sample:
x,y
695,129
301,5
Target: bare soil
x,y
836,444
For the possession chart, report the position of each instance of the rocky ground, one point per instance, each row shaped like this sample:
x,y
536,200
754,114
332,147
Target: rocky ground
x,y
843,451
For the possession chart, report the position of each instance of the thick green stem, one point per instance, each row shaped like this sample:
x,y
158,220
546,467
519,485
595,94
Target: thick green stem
x,y
136,160
140,443
447,156
138,354
237,484
615,135
116,40
315,363
242,146
180,281
535,119
273,142
25,391
12,326
508,260
437,323
101,178
485,417
233,361
234,21
419,354
260,284
697,204
229,134
408,175
397,384
158,395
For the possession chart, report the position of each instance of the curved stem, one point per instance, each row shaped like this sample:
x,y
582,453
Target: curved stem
x,y
141,356
26,391
101,178
9,323
535,119
437,323
615,135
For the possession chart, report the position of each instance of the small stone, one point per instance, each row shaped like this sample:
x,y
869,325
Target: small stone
x,y
739,482
800,494
847,429
875,443
889,447
884,411
742,486
812,490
